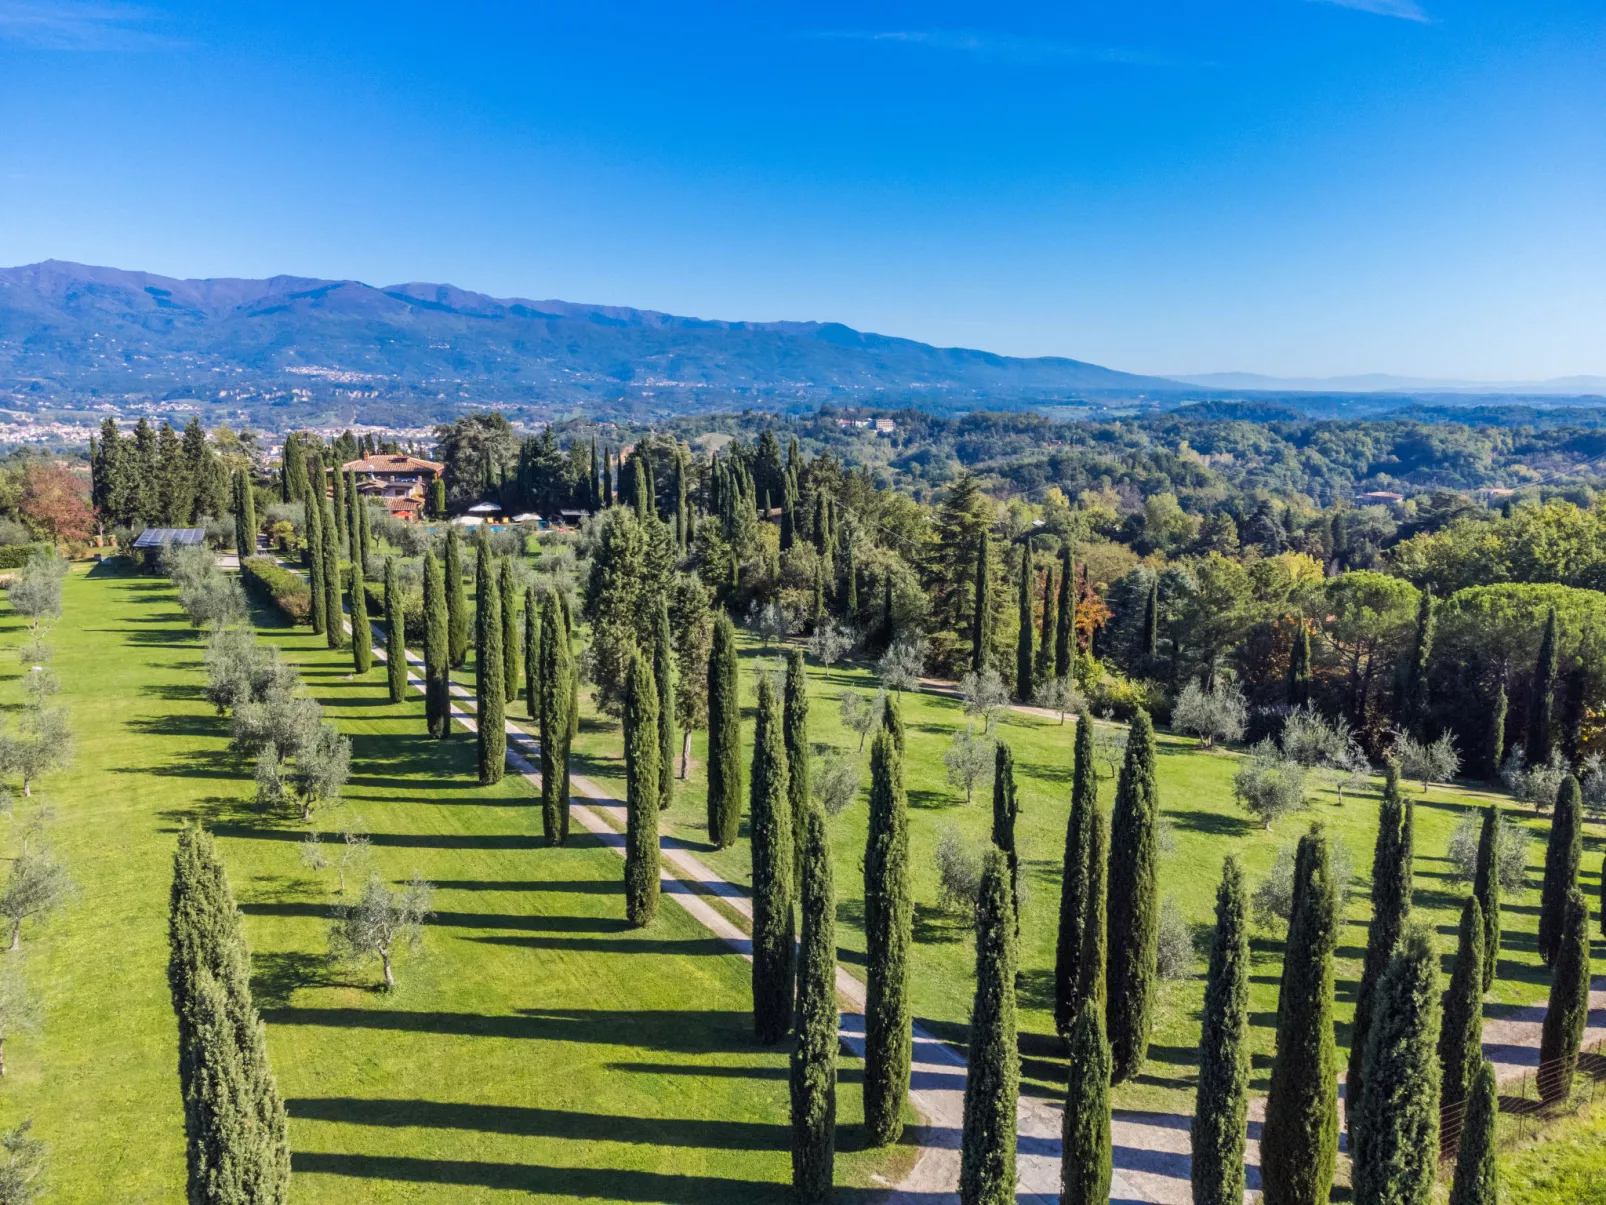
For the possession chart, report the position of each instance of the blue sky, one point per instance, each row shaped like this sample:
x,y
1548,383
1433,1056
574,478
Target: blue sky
x,y
1283,186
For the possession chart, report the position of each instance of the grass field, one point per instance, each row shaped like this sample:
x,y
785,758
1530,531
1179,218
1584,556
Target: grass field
x,y
537,1049
1566,1163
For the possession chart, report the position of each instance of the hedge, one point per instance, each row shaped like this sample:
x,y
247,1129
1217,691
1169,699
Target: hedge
x,y
412,611
15,556
286,590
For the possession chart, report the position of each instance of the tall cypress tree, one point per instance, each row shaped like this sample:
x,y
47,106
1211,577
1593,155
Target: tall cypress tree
x,y
510,630
1093,973
1496,753
797,747
1299,667
663,674
295,469
1461,1034
1023,639
1486,890
892,721
1391,908
607,478
1563,854
1396,1141
1006,807
437,680
1300,1138
641,792
554,723
1567,1013
889,624
980,621
1414,700
456,602
850,583
532,654
1043,663
1134,907
1151,619
1477,1171
314,530
992,1080
333,629
888,930
395,635
245,531
362,636
1074,888
724,737
1220,1113
813,1063
770,823
365,535
491,712
1086,1154
337,501
1065,616
1541,696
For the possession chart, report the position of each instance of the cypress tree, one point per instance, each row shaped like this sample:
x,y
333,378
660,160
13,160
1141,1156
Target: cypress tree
x,y
365,536
1043,663
641,792
572,711
1396,1141
1563,853
1023,640
1300,1138
593,498
437,680
992,1080
1086,1154
888,930
337,500
1486,890
889,626
554,723
1567,1013
1093,973
980,625
491,705
1006,807
1151,619
1391,908
1415,701
532,654
813,1064
1074,890
663,674
1497,734
314,555
770,823
456,603
850,595
510,631
483,568
892,721
724,737
1603,896
245,531
1220,1114
395,635
1477,1171
1541,696
817,610
607,478
1461,1035
1065,616
1299,667
295,469
334,633
362,636
797,749
1134,909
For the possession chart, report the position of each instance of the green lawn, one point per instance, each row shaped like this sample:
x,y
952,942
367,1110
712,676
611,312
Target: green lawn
x,y
537,1050
1567,1162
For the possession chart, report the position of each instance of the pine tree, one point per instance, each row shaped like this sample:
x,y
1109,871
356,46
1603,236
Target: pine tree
x,y
554,723
1486,890
992,1080
1065,616
797,748
1541,696
641,792
1134,907
532,654
1221,1111
1074,888
770,823
333,629
1086,1159
362,636
1023,640
510,631
1496,752
437,680
456,603
1151,619
724,737
1299,1141
1006,807
1415,702
490,687
1461,1035
888,930
1477,1171
1391,908
1563,854
314,554
980,620
1299,667
663,674
813,1064
1395,1141
1567,1014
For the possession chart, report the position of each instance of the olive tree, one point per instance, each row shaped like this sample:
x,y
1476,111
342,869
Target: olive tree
x,y
902,664
381,923
37,885
19,1009
1269,784
1059,695
984,695
831,642
969,759
862,715
1211,715
835,784
1427,762
22,1165
1510,851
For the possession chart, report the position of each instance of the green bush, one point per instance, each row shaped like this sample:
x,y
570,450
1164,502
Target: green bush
x,y
412,610
286,590
1121,698
15,556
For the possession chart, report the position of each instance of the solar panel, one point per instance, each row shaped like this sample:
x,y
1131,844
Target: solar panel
x,y
157,537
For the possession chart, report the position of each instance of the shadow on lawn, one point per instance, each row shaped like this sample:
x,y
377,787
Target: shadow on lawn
x,y
691,947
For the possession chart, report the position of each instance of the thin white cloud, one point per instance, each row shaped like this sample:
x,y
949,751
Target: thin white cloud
x,y
1000,46
78,25
1406,10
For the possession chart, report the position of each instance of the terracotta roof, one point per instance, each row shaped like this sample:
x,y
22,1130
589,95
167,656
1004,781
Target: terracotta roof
x,y
391,464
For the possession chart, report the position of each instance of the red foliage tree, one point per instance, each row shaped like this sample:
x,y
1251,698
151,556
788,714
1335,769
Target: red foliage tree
x,y
56,502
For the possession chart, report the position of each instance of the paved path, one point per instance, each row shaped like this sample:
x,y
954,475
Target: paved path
x,y
1151,1150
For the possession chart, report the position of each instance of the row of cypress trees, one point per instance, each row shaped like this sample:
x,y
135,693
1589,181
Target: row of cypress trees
x,y
236,1135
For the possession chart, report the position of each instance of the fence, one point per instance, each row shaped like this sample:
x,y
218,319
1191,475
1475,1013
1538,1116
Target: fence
x,y
1545,1093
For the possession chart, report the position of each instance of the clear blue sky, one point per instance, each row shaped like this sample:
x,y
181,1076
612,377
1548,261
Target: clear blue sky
x,y
1284,186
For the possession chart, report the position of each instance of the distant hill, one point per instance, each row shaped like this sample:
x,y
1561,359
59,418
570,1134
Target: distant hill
x,y
68,332
1379,382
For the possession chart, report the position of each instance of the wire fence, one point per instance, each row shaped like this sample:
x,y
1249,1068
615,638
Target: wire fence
x,y
1557,1088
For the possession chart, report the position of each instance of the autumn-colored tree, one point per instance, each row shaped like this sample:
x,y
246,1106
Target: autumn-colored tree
x,y
56,502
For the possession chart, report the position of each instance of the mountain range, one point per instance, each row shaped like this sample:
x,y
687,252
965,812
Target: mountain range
x,y
1379,382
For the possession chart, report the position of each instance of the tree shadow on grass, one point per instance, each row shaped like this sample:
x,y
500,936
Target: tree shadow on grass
x,y
670,1031
694,947
276,977
1211,823
176,692
938,926
924,797
573,886
1045,771
401,840
457,920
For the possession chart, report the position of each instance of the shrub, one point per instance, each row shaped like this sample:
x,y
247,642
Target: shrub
x,y
273,583
15,556
1219,714
1510,851
1121,698
1427,762
1174,954
1273,899
412,610
958,872
1534,785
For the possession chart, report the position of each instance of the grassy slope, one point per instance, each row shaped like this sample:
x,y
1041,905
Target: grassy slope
x,y
538,1047
1196,795
1566,1163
